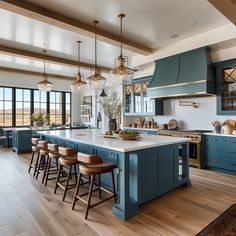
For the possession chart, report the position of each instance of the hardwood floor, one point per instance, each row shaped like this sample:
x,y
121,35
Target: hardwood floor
x,y
29,208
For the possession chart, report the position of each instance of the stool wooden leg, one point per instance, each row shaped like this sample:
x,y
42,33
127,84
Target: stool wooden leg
x,y
89,196
38,167
76,190
36,164
31,161
66,185
99,184
75,174
47,170
58,177
113,185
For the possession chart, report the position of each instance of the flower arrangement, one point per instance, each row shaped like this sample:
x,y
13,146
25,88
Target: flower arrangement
x,y
111,106
40,117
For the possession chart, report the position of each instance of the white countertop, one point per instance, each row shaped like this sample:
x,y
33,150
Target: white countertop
x,y
221,134
95,137
147,129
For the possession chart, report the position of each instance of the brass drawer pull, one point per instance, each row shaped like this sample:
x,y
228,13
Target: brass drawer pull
x,y
162,158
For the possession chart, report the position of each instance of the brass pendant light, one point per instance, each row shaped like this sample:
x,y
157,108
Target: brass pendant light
x,y
44,85
76,85
121,62
96,80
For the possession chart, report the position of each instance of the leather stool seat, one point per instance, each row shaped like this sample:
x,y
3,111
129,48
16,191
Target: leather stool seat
x,y
92,165
67,159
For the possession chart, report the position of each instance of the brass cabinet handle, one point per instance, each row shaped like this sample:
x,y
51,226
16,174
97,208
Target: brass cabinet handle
x,y
162,158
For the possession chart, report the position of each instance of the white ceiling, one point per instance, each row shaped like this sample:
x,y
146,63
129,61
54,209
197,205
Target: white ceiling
x,y
148,22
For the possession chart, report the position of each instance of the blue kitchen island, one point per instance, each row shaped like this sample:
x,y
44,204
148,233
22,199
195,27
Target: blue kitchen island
x,y
147,168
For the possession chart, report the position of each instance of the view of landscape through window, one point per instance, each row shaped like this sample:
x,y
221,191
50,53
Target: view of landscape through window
x,y
18,104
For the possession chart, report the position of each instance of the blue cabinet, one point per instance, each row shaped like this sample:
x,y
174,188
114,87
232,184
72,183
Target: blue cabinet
x,y
226,87
136,101
158,172
220,153
21,141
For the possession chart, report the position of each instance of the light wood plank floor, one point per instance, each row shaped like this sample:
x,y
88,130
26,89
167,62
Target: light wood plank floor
x,y
29,208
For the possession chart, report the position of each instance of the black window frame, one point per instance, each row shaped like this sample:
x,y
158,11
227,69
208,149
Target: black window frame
x,y
32,104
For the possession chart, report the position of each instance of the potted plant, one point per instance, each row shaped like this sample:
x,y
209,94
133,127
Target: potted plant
x,y
39,119
111,105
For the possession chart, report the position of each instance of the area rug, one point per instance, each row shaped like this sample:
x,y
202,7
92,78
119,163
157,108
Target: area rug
x,y
224,225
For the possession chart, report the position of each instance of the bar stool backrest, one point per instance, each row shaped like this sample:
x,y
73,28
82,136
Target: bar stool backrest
x,y
42,144
34,141
52,147
88,159
66,152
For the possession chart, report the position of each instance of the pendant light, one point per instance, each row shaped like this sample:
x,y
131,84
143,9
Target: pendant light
x,y
76,85
121,62
44,85
96,81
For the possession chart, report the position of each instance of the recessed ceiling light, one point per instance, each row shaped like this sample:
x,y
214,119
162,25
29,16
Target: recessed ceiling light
x,y
174,36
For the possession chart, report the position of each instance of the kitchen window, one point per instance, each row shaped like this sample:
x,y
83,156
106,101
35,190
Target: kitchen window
x,y
18,104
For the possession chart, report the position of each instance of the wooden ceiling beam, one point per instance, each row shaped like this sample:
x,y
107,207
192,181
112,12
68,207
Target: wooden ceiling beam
x,y
35,73
48,58
226,7
36,12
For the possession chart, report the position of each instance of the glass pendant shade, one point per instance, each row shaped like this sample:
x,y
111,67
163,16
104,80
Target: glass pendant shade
x,y
78,83
121,69
44,85
96,80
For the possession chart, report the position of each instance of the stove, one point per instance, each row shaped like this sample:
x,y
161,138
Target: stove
x,y
195,148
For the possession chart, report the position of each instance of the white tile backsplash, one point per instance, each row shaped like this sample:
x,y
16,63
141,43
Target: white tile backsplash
x,y
187,116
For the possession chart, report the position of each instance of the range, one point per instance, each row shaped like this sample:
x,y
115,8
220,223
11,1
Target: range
x,y
196,155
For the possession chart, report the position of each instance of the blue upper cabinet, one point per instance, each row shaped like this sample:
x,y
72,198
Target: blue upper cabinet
x,y
136,101
226,87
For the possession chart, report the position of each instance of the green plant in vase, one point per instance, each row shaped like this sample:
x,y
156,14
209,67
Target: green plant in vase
x,y
39,119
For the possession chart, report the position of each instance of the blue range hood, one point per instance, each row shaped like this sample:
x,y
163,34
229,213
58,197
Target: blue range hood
x,y
187,74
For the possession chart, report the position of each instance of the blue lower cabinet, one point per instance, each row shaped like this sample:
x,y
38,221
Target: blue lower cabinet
x,y
159,171
167,170
220,153
21,141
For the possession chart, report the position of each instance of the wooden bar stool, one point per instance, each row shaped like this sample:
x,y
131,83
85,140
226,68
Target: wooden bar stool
x,y
93,166
67,159
35,150
42,160
51,168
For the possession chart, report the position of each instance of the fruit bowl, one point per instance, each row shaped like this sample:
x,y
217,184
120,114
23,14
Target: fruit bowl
x,y
127,135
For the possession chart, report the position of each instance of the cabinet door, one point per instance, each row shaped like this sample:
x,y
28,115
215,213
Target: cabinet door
x,y
167,169
149,175
137,98
226,87
127,98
